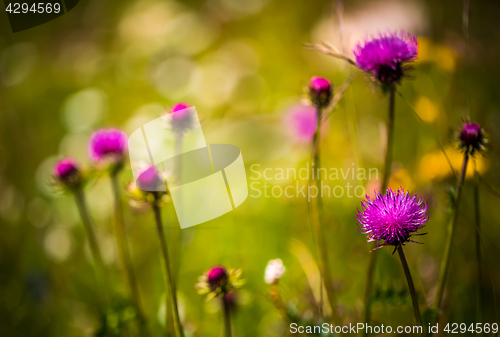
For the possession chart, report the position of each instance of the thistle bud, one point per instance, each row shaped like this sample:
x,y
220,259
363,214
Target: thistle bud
x,y
320,91
217,276
472,138
66,172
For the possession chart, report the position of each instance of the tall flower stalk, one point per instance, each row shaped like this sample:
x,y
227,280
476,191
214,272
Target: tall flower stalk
x,y
471,139
169,281
385,58
320,92
477,216
107,147
67,174
411,286
151,189
394,218
383,187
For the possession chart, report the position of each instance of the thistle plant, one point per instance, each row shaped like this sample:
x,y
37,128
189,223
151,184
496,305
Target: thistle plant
x,y
221,282
392,219
149,188
107,148
470,139
68,177
385,58
320,94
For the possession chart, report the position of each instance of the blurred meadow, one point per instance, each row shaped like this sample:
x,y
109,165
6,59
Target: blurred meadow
x,y
243,64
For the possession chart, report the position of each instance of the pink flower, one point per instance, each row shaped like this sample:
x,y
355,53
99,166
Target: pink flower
x,y
181,117
320,91
66,171
302,120
106,143
384,57
472,138
149,179
217,276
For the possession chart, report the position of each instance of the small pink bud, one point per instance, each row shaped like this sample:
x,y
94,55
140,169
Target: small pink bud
x,y
217,276
66,171
320,91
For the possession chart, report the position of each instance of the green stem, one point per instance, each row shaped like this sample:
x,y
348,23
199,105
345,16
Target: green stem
x,y
94,246
124,251
383,188
445,264
323,264
227,317
414,300
478,246
170,284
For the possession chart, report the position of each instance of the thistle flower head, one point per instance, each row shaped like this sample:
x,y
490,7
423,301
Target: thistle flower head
x,y
218,281
274,271
66,172
393,217
107,144
472,138
149,179
302,121
384,57
320,91
181,117
217,276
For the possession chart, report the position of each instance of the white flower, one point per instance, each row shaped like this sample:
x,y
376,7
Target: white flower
x,y
274,270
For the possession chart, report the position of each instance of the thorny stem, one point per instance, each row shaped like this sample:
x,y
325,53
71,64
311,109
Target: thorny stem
x,y
166,269
124,251
445,264
383,188
414,300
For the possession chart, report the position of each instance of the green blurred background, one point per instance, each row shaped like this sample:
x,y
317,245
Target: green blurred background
x,y
243,65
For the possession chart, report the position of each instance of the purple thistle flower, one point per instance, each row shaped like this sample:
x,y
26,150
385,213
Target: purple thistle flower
x,y
472,138
107,143
385,55
66,171
302,121
320,91
217,276
181,117
393,217
149,179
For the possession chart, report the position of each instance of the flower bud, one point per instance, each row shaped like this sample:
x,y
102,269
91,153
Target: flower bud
x,y
181,117
67,172
320,91
149,179
471,137
107,144
217,276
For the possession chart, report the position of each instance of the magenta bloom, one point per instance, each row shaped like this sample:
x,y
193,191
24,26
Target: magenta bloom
x,y
149,179
107,143
472,137
181,117
303,122
320,90
217,276
393,217
66,171
384,57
